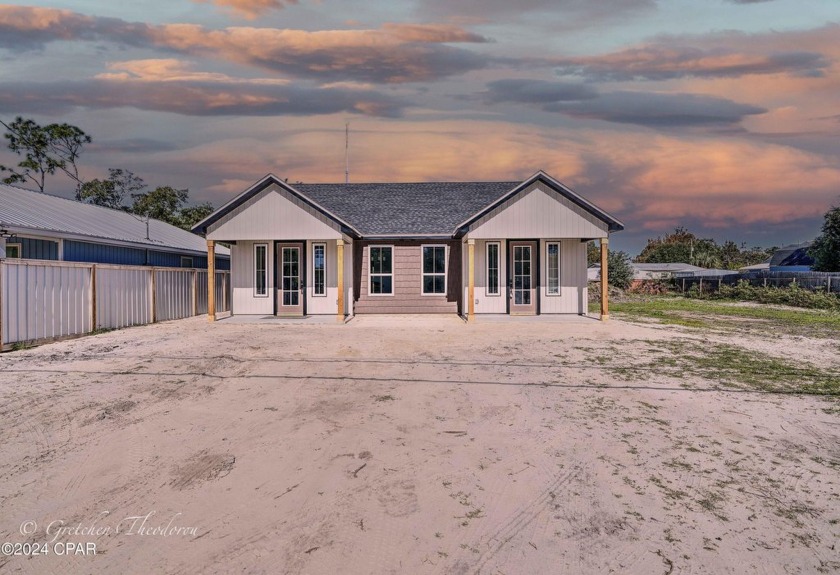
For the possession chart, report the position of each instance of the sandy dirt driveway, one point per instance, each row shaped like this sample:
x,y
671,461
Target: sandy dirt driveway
x,y
408,445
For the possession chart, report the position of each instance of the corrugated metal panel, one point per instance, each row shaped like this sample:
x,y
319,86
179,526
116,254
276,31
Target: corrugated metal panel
x,y
37,211
37,249
75,251
168,259
42,301
538,213
45,300
123,297
222,290
102,253
174,294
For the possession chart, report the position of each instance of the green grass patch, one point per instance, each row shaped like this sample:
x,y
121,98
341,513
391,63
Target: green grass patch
x,y
734,366
728,316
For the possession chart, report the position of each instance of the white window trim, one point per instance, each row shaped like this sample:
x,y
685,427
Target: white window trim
x,y
19,247
393,265
315,245
559,270
487,292
257,294
445,270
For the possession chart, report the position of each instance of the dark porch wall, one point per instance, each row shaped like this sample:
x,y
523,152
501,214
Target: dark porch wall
x,y
407,296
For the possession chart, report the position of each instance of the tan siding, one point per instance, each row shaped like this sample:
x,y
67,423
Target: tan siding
x,y
538,212
276,214
408,296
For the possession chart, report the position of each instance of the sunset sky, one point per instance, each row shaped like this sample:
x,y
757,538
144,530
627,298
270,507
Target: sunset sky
x,y
719,115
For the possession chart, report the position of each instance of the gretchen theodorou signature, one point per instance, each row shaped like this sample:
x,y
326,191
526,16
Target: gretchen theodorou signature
x,y
142,525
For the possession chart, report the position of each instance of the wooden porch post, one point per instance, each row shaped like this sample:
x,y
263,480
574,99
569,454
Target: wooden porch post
x,y
471,290
339,245
211,280
605,274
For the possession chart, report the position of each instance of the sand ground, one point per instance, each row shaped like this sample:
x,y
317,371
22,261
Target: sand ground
x,y
410,445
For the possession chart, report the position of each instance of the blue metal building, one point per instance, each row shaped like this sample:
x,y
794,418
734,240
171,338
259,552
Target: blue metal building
x,y
40,226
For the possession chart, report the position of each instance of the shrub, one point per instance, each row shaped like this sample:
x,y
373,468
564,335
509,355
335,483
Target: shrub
x,y
619,270
792,296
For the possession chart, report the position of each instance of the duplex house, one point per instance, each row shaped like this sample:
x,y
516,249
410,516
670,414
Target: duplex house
x,y
464,248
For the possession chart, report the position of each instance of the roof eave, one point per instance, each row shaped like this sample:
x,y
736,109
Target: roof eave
x,y
415,236
65,235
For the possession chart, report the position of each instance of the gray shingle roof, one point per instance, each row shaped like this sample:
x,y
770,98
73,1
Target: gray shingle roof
x,y
418,209
21,208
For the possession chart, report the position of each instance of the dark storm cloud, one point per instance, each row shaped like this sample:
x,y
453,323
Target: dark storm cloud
x,y
650,109
195,98
27,28
561,13
658,110
526,91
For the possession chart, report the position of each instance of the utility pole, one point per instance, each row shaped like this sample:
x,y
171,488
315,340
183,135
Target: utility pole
x,y
347,152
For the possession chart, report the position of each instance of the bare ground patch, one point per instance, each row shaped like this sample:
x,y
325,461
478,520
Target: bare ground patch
x,y
515,447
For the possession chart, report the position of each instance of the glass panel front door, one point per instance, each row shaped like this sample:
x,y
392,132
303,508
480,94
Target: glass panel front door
x,y
522,280
290,271
291,276
522,275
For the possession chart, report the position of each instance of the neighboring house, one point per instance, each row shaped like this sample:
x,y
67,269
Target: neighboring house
x,y
648,271
792,258
764,266
35,225
643,272
471,247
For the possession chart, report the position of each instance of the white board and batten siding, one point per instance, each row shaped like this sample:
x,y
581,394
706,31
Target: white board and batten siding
x,y
274,213
573,294
328,304
485,302
247,302
535,214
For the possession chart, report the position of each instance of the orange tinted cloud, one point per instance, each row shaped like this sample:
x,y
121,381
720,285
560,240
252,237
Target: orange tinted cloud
x,y
803,53
393,53
172,70
250,9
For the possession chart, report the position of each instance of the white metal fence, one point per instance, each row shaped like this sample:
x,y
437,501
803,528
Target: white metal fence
x,y
43,300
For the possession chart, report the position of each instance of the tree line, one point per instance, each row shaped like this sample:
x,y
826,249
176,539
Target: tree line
x,y
56,148
683,246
